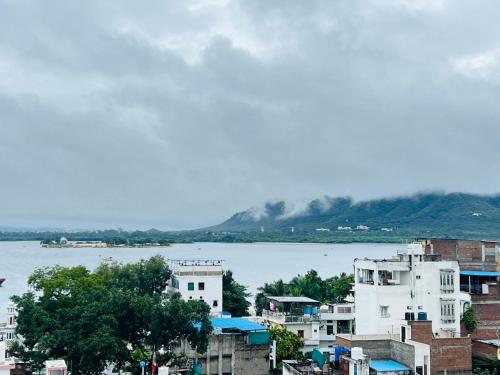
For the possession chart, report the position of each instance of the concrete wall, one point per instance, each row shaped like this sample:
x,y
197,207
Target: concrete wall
x,y
403,353
229,351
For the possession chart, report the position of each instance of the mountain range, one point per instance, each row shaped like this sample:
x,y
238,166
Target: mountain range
x,y
437,214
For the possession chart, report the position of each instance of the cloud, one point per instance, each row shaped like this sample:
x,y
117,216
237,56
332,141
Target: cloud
x,y
484,66
180,113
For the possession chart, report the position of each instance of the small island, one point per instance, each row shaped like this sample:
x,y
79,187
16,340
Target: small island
x,y
115,242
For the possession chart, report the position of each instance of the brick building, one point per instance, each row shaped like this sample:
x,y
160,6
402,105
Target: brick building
x,y
419,349
479,276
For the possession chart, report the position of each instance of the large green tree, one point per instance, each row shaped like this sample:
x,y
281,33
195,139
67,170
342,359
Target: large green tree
x,y
106,317
234,296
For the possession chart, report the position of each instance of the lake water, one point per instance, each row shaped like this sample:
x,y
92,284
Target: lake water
x,y
252,264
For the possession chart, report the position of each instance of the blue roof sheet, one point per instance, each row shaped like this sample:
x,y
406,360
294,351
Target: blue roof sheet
x,y
237,323
479,273
385,365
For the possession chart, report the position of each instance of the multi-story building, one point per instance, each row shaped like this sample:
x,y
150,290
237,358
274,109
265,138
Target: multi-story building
x,y
198,279
7,337
412,284
236,346
479,263
317,325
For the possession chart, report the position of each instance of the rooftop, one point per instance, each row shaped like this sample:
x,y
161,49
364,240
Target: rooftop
x,y
291,299
494,342
239,324
479,273
387,365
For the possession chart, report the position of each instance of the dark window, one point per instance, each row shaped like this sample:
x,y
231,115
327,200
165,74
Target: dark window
x,y
329,330
201,286
215,303
190,286
300,332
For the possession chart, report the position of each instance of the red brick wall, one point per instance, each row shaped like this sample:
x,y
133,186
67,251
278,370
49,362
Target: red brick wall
x,y
451,355
484,350
421,331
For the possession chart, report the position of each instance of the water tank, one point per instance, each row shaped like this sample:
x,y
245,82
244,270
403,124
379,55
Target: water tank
x,y
409,316
357,353
422,315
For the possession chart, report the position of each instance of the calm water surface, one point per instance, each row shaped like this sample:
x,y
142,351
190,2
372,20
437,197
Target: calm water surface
x,y
252,264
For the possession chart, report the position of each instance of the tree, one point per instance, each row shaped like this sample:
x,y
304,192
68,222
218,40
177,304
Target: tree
x,y
469,320
331,290
234,296
288,344
94,319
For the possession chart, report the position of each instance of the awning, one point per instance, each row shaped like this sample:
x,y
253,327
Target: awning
x,y
480,273
387,365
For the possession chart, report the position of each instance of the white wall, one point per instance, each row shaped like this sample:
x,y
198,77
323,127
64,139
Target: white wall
x,y
212,291
425,276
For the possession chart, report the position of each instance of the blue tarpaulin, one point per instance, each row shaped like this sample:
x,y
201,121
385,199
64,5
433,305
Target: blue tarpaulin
x,y
479,273
387,365
240,324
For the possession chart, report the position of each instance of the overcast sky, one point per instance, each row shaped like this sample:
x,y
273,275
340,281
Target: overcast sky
x,y
176,114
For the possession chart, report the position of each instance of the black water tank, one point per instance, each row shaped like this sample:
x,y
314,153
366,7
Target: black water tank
x,y
409,316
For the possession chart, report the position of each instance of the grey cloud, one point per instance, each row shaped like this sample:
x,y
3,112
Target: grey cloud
x,y
178,114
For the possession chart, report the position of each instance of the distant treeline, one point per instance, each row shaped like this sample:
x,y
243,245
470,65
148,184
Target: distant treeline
x,y
116,237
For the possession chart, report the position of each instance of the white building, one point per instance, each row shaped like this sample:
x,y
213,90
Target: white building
x,y
410,283
7,337
198,279
318,326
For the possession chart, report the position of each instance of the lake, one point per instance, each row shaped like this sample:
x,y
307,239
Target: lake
x,y
252,264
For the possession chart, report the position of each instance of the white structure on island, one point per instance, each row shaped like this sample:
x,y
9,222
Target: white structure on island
x,y
198,279
317,325
7,338
410,286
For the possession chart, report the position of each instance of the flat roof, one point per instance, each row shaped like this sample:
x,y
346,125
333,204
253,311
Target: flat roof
x,y
494,342
387,365
479,273
240,324
293,299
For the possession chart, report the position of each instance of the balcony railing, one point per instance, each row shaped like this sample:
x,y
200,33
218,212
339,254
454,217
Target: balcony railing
x,y
289,318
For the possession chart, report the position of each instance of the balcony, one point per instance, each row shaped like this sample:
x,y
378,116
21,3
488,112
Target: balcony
x,y
281,318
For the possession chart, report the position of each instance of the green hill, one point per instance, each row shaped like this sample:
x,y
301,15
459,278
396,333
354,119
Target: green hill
x,y
444,215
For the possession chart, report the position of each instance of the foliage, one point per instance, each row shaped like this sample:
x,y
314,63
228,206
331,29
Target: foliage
x,y
469,320
110,316
287,344
234,296
330,290
483,371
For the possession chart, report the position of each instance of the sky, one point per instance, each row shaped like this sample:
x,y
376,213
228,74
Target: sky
x,y
176,114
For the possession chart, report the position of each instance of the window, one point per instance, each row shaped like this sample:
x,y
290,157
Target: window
x,y
329,330
7,354
215,303
11,320
447,281
10,335
201,286
190,286
300,333
384,311
344,309
448,310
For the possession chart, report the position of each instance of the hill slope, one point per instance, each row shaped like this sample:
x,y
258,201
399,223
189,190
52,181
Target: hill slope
x,y
446,215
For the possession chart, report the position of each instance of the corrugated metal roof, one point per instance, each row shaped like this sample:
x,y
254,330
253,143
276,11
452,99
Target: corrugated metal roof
x,y
386,365
240,324
293,299
479,273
